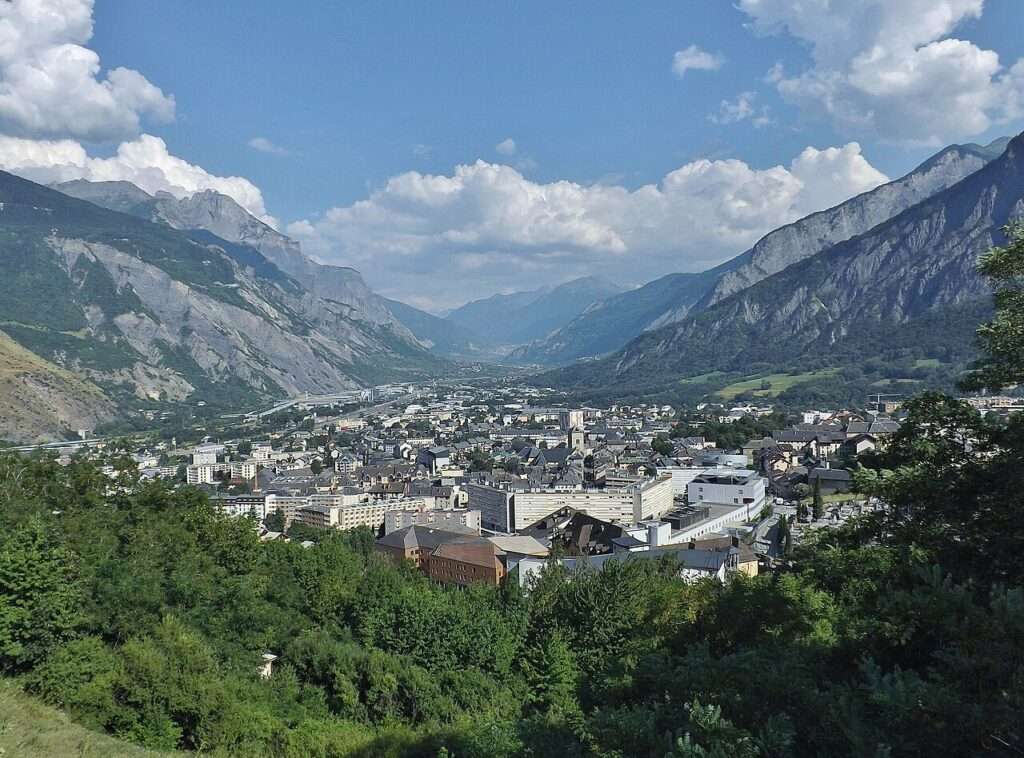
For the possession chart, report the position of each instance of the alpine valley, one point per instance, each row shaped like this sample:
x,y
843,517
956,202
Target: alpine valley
x,y
115,300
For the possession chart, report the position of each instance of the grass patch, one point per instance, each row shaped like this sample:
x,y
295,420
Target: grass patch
x,y
835,497
777,383
30,729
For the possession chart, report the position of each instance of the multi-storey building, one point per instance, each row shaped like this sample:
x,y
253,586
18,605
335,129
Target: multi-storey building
x,y
509,510
370,514
201,474
243,470
288,505
242,505
399,519
206,454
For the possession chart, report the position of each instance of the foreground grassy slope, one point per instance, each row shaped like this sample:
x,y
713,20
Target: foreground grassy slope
x,y
29,729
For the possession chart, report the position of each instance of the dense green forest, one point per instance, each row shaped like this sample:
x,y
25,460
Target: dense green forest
x,y
143,613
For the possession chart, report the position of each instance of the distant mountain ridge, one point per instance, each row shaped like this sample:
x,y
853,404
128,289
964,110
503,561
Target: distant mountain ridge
x,y
521,317
609,325
442,336
919,263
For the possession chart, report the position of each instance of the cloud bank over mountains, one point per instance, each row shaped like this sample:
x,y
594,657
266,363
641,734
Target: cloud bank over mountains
x,y
486,226
144,161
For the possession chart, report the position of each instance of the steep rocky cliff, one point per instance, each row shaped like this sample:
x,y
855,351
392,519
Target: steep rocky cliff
x,y
221,216
809,236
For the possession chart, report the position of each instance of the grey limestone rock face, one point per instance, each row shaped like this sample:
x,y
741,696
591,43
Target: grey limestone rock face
x,y
819,231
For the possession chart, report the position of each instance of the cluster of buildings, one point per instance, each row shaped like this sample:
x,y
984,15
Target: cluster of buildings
x,y
478,485
463,485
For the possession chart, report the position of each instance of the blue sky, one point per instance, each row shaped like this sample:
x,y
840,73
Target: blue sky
x,y
367,108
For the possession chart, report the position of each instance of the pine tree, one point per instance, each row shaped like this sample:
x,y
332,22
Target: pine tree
x,y
552,671
819,504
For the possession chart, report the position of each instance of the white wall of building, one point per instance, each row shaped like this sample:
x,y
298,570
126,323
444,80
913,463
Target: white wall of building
x,y
681,476
750,492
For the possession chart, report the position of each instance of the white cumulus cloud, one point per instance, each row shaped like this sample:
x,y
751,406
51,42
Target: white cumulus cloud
x,y
890,68
486,227
695,58
145,162
51,85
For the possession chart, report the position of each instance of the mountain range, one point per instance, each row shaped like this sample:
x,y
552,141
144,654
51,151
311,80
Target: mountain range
x,y
102,310
908,283
521,317
608,325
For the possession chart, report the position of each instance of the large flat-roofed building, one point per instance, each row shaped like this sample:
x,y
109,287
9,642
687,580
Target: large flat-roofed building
x,y
693,521
511,510
206,455
494,504
726,486
681,476
348,496
330,516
